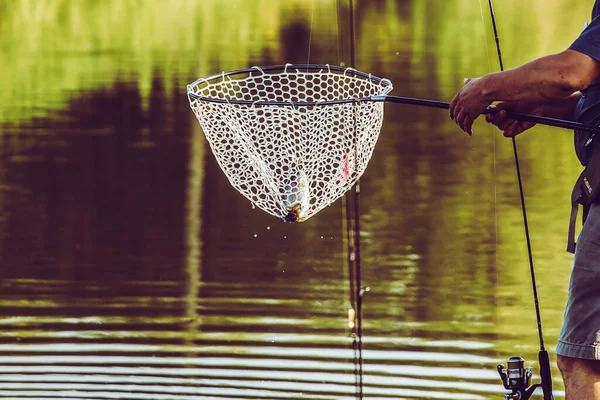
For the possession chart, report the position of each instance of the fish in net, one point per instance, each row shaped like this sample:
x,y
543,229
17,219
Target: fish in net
x,y
292,138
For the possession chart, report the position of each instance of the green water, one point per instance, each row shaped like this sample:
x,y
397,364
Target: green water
x,y
132,269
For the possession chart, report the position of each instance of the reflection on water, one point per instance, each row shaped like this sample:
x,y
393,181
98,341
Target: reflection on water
x,y
131,269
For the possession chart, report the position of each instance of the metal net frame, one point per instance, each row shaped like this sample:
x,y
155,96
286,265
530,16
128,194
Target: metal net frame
x,y
291,138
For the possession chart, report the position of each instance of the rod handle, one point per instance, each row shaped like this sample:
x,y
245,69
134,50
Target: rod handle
x,y
545,374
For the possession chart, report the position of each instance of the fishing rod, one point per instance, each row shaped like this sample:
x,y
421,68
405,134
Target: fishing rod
x,y
516,377
353,226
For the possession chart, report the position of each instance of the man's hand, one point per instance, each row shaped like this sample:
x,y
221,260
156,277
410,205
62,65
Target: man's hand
x,y
550,79
511,127
500,113
468,104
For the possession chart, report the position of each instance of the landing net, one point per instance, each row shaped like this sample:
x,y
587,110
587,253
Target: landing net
x,y
291,138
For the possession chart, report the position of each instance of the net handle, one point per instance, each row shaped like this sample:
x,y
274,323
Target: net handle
x,y
557,123
554,122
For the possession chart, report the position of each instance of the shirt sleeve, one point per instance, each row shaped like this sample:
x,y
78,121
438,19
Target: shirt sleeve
x,y
589,41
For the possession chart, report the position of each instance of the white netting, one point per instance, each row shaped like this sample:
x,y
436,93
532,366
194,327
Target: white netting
x,y
291,160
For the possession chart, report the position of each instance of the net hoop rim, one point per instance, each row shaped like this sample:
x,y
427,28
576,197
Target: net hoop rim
x,y
386,85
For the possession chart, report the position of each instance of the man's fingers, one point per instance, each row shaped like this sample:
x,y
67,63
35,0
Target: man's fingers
x,y
491,113
468,125
499,115
458,119
512,130
464,121
517,128
504,124
465,103
495,117
499,119
453,106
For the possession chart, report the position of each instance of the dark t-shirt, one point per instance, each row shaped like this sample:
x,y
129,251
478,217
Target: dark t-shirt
x,y
587,110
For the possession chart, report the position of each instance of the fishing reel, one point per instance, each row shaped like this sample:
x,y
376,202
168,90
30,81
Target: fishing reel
x,y
516,377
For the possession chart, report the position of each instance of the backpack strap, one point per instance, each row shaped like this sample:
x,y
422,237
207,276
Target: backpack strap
x,y
577,198
586,190
571,236
571,245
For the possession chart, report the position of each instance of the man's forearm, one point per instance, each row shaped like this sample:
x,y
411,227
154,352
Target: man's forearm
x,y
550,78
547,79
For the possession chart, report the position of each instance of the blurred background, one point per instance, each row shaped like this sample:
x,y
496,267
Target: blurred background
x,y
131,269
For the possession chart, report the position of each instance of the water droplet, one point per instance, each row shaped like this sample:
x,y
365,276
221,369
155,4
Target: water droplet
x,y
321,237
285,237
268,227
255,235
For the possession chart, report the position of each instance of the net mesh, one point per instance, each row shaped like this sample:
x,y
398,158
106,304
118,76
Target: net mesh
x,y
287,155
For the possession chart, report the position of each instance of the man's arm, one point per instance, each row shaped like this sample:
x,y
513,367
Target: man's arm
x,y
548,78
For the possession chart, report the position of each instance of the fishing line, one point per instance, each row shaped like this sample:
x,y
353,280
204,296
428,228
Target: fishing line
x,y
338,23
494,157
349,217
543,354
487,53
310,31
353,213
346,221
345,228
